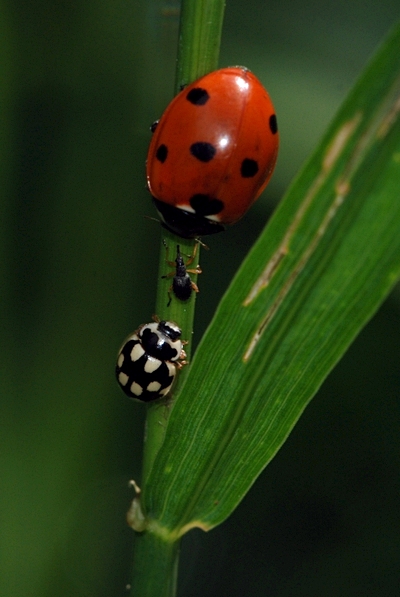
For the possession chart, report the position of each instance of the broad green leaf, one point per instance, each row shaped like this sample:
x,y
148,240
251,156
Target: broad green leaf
x,y
321,268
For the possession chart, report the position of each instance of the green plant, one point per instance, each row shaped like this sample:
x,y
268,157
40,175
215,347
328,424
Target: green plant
x,y
318,272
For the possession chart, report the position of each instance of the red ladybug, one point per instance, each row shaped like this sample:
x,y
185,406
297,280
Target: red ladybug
x,y
212,152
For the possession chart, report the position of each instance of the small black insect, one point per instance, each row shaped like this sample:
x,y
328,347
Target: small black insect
x,y
182,284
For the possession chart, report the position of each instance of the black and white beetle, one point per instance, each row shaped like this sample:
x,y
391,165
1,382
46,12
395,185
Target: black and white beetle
x,y
182,284
148,360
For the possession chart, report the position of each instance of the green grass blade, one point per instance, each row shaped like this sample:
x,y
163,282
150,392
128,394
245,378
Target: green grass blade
x,y
319,271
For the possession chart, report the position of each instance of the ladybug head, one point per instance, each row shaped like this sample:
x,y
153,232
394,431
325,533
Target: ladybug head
x,y
185,223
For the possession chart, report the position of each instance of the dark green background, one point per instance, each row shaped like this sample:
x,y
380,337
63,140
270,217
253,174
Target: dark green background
x,y
80,84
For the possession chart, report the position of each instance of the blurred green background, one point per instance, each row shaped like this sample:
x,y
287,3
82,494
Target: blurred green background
x,y
80,84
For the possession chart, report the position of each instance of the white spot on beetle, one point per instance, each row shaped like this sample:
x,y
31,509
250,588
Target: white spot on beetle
x,y
214,218
154,386
152,364
171,369
137,352
122,378
136,389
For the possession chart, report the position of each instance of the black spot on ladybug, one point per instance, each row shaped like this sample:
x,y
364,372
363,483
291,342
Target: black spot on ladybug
x,y
161,153
273,124
198,96
249,168
154,125
204,205
203,151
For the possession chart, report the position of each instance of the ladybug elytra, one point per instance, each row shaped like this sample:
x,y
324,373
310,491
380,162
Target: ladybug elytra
x,y
212,152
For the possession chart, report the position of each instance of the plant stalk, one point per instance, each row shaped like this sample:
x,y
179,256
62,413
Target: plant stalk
x,y
156,560
155,567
